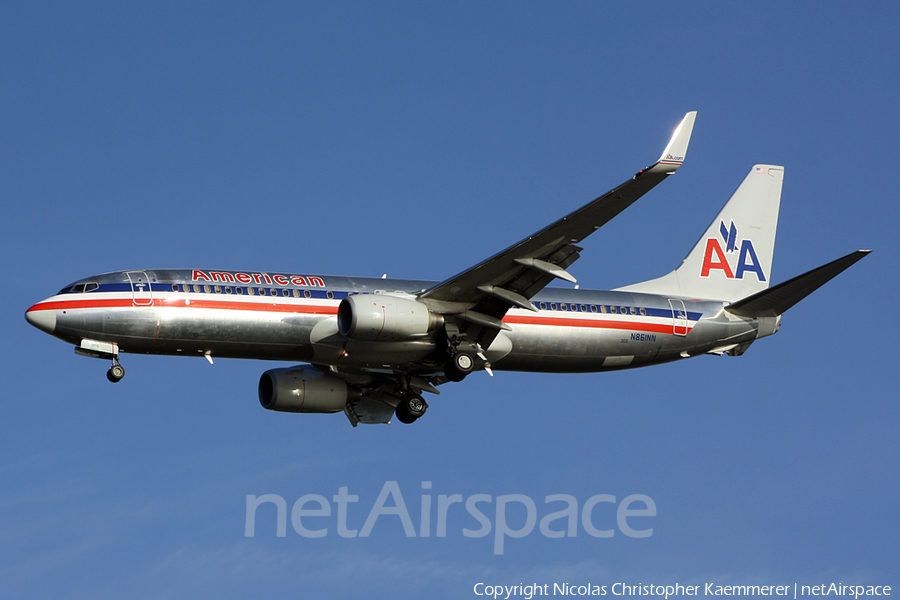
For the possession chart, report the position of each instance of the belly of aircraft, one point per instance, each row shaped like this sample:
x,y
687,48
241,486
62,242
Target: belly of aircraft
x,y
573,350
314,338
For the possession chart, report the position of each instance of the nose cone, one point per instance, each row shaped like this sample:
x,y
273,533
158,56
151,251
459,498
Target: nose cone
x,y
45,320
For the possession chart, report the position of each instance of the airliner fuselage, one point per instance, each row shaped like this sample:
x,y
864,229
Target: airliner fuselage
x,y
212,313
372,346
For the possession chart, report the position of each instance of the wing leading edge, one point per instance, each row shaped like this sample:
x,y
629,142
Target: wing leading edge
x,y
513,276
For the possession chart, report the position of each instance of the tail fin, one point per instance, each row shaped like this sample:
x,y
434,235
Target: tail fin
x,y
733,258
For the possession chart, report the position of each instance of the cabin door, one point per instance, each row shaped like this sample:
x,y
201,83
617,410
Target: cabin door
x,y
679,317
141,292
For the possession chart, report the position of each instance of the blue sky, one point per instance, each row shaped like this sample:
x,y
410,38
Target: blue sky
x,y
416,139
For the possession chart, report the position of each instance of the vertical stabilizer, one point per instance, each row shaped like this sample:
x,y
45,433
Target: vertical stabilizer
x,y
733,258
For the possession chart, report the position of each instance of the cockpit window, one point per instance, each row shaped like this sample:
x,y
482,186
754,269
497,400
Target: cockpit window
x,y
77,288
90,287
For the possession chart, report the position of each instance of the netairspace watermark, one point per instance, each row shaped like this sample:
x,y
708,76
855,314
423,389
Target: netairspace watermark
x,y
532,590
601,515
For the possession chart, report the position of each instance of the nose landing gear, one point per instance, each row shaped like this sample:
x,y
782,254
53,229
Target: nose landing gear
x,y
116,371
106,351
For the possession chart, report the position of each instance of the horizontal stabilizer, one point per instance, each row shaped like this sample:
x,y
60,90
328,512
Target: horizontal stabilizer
x,y
777,299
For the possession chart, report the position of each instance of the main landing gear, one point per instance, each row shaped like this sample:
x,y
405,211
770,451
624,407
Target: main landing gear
x,y
410,408
461,360
459,365
461,354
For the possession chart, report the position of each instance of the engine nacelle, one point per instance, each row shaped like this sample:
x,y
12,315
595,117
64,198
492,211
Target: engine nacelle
x,y
384,318
302,389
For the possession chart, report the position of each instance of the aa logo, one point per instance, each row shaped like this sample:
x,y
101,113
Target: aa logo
x,y
717,259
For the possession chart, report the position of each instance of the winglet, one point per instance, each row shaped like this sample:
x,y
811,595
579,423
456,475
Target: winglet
x,y
673,156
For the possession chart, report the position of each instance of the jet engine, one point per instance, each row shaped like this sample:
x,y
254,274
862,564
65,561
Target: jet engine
x,y
302,389
384,318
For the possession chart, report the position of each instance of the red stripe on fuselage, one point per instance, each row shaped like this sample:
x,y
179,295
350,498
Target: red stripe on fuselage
x,y
590,323
180,302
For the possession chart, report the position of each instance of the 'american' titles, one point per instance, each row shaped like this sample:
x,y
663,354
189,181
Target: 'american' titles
x,y
256,278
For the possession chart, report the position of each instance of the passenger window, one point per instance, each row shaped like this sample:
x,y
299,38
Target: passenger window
x,y
227,289
553,306
296,293
603,308
218,289
543,306
307,293
633,310
593,308
251,291
174,287
239,291
330,295
623,310
643,312
564,306
583,308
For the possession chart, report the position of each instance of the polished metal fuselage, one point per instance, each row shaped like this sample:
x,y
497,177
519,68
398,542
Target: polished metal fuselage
x,y
229,314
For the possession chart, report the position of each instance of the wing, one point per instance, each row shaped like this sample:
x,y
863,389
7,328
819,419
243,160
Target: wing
x,y
515,275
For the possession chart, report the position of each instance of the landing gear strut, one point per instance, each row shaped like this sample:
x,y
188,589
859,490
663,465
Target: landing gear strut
x,y
106,351
116,371
410,408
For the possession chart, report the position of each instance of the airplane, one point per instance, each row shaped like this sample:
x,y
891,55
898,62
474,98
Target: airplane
x,y
370,347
